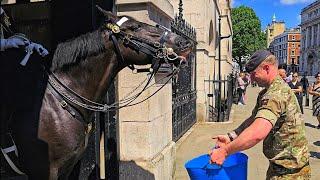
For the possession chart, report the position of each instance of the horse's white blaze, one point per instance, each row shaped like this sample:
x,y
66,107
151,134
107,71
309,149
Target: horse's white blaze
x,y
121,21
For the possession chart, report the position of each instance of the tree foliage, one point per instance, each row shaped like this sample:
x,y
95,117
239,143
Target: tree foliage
x,y
247,34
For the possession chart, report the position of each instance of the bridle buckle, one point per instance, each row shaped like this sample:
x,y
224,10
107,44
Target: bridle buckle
x,y
63,104
114,28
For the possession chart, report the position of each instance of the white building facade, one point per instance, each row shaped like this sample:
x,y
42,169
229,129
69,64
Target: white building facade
x,y
310,40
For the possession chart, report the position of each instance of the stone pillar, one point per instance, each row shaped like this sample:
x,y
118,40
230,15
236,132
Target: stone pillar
x,y
202,70
146,149
310,36
306,39
318,34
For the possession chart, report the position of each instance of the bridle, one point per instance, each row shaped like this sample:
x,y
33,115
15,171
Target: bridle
x,y
157,51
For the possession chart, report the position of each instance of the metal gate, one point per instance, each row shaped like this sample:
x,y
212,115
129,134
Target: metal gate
x,y
227,97
183,85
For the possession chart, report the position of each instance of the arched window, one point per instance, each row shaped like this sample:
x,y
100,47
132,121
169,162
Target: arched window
x,y
211,34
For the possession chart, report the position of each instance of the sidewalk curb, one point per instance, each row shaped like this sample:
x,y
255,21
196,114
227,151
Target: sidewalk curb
x,y
185,136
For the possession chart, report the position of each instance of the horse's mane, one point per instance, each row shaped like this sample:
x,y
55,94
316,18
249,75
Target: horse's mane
x,y
74,51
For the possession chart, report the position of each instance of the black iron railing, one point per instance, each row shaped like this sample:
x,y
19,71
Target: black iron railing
x,y
227,97
183,85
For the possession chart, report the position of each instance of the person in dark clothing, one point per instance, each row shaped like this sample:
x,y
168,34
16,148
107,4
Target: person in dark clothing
x,y
305,84
16,97
296,86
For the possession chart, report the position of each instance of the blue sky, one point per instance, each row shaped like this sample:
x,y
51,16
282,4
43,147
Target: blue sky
x,y
286,10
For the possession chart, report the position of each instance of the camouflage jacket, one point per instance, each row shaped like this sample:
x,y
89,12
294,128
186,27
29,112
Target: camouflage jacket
x,y
286,144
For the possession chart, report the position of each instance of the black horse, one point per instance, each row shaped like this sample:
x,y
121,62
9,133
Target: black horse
x,y
82,70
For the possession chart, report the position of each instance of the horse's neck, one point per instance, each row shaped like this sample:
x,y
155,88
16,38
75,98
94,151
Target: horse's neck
x,y
92,81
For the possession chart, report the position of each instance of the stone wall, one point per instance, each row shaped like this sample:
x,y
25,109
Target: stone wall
x,y
146,149
203,15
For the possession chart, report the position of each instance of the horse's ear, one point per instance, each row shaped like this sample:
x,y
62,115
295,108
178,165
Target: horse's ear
x,y
107,14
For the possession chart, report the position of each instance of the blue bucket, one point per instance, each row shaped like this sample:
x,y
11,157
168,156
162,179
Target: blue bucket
x,y
233,168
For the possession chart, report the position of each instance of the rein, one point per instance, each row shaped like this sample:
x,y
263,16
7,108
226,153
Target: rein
x,y
71,96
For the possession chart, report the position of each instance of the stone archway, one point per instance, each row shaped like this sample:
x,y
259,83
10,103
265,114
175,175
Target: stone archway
x,y
311,59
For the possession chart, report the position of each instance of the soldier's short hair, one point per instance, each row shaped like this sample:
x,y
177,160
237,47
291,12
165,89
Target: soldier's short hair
x,y
271,59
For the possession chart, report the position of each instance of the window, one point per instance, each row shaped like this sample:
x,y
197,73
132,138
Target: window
x,y
211,34
293,45
292,53
293,38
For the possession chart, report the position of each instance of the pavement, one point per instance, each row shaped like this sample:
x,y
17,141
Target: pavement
x,y
197,141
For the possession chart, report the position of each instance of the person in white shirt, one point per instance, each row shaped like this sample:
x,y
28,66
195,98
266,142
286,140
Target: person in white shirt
x,y
241,88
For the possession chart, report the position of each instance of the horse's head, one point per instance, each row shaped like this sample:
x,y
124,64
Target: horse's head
x,y
142,42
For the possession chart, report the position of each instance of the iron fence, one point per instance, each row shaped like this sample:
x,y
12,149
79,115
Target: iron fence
x,y
228,95
183,85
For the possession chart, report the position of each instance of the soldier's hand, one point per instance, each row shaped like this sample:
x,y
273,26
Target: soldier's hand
x,y
39,48
218,156
222,140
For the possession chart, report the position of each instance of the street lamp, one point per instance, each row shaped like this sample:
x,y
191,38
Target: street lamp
x,y
219,65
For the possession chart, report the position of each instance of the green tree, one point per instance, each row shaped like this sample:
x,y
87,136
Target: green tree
x,y
247,34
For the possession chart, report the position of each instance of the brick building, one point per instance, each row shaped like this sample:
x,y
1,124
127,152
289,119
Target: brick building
x,y
286,47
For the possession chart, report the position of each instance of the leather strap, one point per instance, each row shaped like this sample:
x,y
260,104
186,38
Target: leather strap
x,y
118,52
11,164
72,110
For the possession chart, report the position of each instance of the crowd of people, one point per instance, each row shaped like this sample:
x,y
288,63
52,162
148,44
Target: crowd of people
x,y
299,85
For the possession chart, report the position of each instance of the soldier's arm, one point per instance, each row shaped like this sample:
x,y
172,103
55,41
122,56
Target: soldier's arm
x,y
222,140
256,132
262,123
245,124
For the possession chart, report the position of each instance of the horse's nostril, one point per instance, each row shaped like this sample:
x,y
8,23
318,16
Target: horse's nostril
x,y
189,43
185,44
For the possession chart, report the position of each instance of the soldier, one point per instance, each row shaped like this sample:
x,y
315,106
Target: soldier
x,y
276,119
8,40
11,40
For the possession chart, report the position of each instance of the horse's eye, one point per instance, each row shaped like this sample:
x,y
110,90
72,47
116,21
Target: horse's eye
x,y
134,27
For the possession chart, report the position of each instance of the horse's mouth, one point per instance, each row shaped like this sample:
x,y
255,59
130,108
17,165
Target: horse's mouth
x,y
184,52
182,57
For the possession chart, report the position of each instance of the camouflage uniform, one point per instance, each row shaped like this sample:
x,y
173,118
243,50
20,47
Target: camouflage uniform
x,y
286,145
